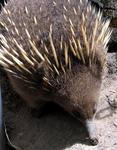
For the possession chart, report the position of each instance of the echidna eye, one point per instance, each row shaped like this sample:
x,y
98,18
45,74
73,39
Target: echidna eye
x,y
94,109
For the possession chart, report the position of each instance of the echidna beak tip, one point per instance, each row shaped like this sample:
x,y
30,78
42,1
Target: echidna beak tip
x,y
92,131
94,141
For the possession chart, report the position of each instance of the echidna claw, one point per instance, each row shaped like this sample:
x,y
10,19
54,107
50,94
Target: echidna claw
x,y
10,144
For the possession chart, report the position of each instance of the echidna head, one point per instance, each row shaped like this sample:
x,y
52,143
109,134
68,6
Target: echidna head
x,y
78,93
78,90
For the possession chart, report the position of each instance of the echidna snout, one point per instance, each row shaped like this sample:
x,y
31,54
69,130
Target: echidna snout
x,y
92,131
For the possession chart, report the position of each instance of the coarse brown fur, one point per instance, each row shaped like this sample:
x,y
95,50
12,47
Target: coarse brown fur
x,y
64,72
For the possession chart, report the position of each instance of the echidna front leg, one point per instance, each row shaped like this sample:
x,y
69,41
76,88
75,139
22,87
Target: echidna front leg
x,y
39,110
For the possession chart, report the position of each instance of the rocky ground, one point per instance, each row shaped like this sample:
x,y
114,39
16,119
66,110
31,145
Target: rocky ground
x,y
57,130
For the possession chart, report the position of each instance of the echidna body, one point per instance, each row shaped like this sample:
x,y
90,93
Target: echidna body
x,y
55,51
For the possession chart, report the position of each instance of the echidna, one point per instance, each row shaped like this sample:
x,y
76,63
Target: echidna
x,y
55,50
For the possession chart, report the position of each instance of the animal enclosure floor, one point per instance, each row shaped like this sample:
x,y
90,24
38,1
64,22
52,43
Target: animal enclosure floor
x,y
57,130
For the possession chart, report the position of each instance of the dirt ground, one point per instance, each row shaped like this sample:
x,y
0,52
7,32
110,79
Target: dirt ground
x,y
57,130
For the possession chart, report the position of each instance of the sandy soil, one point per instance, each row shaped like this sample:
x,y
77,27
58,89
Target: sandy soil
x,y
57,130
